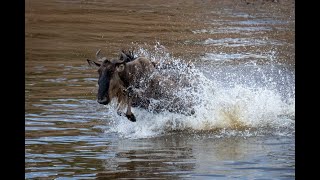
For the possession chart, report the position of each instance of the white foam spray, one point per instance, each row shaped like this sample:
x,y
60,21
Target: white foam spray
x,y
220,110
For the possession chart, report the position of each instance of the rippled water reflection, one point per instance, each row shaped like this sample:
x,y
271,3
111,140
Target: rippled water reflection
x,y
245,52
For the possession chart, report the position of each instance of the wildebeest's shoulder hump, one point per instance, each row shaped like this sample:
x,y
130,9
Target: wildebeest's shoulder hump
x,y
143,62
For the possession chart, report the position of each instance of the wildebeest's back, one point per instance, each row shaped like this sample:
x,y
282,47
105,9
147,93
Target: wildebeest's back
x,y
154,86
139,69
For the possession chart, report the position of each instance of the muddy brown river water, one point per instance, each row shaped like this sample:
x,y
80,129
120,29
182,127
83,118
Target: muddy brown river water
x,y
243,59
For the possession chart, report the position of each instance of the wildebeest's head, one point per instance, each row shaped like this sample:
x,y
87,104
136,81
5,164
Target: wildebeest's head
x,y
109,81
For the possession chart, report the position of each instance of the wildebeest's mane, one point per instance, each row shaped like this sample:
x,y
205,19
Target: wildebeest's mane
x,y
129,54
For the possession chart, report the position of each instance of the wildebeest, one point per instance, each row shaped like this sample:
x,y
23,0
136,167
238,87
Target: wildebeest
x,y
123,79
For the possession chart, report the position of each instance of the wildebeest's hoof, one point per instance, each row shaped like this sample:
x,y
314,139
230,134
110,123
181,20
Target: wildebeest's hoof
x,y
131,117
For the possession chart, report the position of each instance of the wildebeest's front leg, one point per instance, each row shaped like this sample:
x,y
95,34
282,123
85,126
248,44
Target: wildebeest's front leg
x,y
129,114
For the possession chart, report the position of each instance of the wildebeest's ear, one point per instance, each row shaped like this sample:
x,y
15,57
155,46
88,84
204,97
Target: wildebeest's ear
x,y
120,67
90,62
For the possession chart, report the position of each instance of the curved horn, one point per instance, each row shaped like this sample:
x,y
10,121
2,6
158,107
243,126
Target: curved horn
x,y
123,56
98,54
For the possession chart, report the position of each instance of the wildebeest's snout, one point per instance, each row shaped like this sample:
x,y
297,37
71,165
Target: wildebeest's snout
x,y
103,100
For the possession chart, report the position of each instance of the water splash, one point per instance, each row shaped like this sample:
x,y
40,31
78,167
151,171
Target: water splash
x,y
238,109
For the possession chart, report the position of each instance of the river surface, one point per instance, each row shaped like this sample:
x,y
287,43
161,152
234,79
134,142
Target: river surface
x,y
242,59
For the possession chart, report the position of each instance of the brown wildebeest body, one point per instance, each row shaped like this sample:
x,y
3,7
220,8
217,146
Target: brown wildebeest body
x,y
132,81
117,79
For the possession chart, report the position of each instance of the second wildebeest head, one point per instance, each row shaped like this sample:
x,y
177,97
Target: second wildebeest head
x,y
110,84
